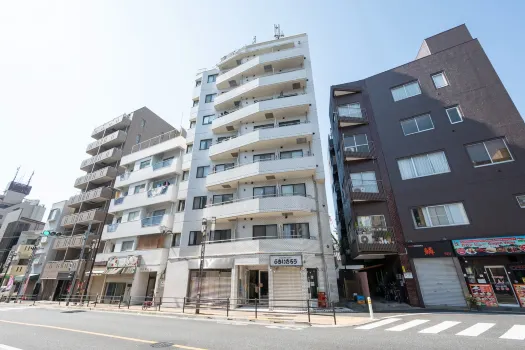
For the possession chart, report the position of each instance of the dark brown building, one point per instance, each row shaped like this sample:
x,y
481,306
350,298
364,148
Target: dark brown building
x,y
429,158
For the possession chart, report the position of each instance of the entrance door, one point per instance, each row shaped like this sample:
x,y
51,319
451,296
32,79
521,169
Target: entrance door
x,y
312,283
263,284
501,284
150,289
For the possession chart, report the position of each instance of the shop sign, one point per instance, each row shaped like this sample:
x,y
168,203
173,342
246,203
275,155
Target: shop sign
x,y
286,260
490,246
484,294
430,250
520,293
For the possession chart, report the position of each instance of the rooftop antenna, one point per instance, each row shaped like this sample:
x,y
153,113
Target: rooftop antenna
x,y
29,181
254,40
277,34
16,174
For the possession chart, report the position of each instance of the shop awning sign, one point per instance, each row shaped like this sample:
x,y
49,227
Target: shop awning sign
x,y
439,249
490,246
286,260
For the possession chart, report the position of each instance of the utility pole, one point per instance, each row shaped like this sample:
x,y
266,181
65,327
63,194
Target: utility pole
x,y
201,263
72,289
25,280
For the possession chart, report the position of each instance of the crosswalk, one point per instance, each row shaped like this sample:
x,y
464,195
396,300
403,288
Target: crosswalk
x,y
7,347
425,326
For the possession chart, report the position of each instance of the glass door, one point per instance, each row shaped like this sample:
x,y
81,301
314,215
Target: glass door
x,y
500,282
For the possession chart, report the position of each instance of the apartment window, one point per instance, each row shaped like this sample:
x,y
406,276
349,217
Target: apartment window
x,y
521,200
417,124
189,148
423,165
292,154
220,235
264,126
175,241
405,91
264,231
198,83
205,144
301,230
222,198
126,246
195,103
375,221
222,167
143,123
52,214
352,110
202,171
454,115
356,143
185,175
181,205
158,213
440,215
207,119
210,98
199,202
439,80
489,152
294,190
139,188
212,78
263,157
137,139
195,238
145,164
193,123
265,191
290,122
364,182
134,215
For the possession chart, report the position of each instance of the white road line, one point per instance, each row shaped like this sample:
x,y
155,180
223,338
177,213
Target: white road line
x,y
407,325
440,327
379,323
15,308
476,329
515,332
7,347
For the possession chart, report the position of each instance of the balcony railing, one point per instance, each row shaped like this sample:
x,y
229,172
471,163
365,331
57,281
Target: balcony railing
x,y
156,166
276,156
262,99
354,152
366,190
374,239
152,221
162,164
124,119
351,117
156,140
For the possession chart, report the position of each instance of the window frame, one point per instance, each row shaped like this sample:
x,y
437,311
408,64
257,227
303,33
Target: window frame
x,y
488,153
293,190
176,239
224,236
209,98
127,250
181,205
185,175
135,218
444,78
264,195
424,210
460,112
227,166
210,119
349,108
139,188
272,157
214,78
193,124
203,172
148,161
222,202
518,200
265,231
417,125
414,168
195,103
355,143
264,126
208,143
405,90
295,229
189,148
291,152
289,123
194,238
198,82
202,202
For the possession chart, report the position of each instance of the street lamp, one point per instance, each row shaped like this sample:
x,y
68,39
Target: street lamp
x,y
204,227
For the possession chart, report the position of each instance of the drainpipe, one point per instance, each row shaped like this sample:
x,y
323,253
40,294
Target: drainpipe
x,y
321,244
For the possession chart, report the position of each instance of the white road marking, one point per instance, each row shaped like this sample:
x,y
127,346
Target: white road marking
x,y
407,325
286,328
379,323
7,347
15,308
406,315
515,332
440,327
476,329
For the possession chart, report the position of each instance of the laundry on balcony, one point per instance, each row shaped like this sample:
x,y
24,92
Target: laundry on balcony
x,y
157,191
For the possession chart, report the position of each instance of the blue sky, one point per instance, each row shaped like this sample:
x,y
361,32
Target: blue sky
x,y
69,66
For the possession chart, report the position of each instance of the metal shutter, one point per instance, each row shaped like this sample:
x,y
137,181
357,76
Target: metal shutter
x,y
216,284
287,287
439,282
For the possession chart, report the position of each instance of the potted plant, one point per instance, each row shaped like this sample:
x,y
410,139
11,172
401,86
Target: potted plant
x,y
472,302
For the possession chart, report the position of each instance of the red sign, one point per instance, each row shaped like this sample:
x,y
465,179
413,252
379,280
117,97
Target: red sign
x,y
520,293
484,294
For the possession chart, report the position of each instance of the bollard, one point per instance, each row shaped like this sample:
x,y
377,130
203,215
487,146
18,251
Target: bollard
x,y
333,311
228,307
160,302
96,300
120,301
255,307
308,306
183,304
370,310
129,301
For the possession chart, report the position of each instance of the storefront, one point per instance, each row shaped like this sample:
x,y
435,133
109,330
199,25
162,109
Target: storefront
x,y
494,269
215,284
288,280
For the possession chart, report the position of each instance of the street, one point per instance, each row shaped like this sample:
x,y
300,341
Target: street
x,y
37,327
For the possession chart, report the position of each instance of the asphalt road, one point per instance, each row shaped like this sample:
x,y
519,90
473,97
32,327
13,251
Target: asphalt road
x,y
26,328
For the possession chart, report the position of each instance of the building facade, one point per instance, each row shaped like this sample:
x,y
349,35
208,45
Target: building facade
x,y
430,155
253,173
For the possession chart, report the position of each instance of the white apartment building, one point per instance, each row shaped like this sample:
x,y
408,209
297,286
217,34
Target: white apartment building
x,y
253,169
137,241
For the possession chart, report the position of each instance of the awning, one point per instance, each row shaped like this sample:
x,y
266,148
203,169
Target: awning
x,y
370,267
113,270
32,277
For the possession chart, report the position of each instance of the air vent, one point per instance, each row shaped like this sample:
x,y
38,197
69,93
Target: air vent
x,y
270,177
268,68
235,154
301,140
226,186
233,83
269,115
296,86
236,103
230,128
287,214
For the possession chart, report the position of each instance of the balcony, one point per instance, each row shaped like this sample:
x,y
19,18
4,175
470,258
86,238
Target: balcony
x,y
24,251
85,218
146,226
150,197
359,152
151,260
372,242
351,117
107,157
157,144
260,207
68,242
288,168
157,170
263,139
119,123
231,59
16,270
97,195
366,191
115,139
53,268
262,86
276,60
97,177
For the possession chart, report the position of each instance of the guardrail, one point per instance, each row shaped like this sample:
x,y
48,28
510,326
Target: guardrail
x,y
276,156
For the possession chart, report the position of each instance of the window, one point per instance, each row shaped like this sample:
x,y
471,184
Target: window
x,y
521,200
202,171
222,198
189,148
290,122
199,202
52,214
292,154
212,78
134,215
352,110
181,205
126,246
139,188
294,190
423,165
417,124
223,138
137,139
263,157
356,143
198,83
143,123
454,115
205,144
221,167
440,215
175,241
195,103
158,213
210,98
185,175
264,126
195,238
489,152
144,164
375,221
264,231
207,119
192,124
405,91
220,235
364,182
439,80
296,231
266,191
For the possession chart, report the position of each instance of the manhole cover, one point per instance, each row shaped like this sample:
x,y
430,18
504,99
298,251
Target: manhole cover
x,y
72,311
162,345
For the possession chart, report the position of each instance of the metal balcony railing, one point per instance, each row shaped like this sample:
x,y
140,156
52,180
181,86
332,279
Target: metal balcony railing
x,y
155,166
163,164
351,117
236,200
152,221
365,190
374,239
156,140
275,156
272,126
353,152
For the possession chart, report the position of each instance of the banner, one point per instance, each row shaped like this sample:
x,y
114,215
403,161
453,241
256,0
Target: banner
x,y
490,246
484,294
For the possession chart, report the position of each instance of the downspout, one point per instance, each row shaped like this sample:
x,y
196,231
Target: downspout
x,y
321,244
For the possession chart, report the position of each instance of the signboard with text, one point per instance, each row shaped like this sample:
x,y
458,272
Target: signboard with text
x,y
439,249
490,246
286,260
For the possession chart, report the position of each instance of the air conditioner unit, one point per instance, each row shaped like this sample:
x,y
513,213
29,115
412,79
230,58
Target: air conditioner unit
x,y
358,189
366,238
